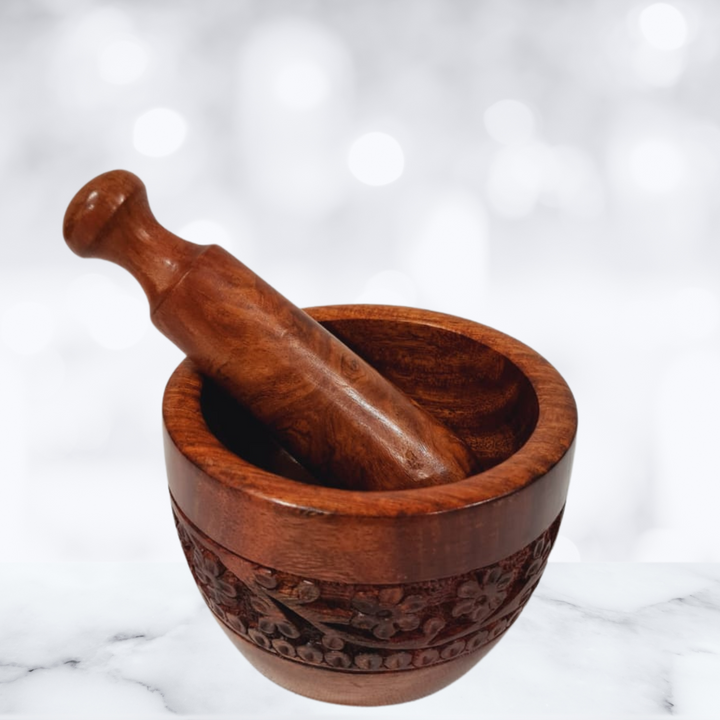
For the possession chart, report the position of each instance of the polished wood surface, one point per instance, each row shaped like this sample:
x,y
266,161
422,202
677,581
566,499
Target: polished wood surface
x,y
330,409
371,598
361,690
507,402
396,642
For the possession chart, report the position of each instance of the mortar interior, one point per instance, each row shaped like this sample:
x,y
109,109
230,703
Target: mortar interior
x,y
476,391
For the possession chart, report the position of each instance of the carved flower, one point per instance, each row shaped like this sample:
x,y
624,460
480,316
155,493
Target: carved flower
x,y
540,553
207,567
387,612
208,571
480,601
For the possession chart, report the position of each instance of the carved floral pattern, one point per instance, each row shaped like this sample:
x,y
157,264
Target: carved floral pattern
x,y
385,612
364,628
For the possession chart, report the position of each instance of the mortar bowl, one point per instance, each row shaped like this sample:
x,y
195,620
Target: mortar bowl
x,y
372,598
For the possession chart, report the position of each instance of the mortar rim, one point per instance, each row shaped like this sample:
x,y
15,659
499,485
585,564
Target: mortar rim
x,y
547,444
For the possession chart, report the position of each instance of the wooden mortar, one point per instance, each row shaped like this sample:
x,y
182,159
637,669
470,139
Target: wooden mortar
x,y
371,598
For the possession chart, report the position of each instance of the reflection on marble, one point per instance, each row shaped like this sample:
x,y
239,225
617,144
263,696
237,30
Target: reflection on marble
x,y
135,640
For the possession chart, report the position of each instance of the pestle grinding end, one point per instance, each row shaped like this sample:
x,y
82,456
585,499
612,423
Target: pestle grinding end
x,y
92,209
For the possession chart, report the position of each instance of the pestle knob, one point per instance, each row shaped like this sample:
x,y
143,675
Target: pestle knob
x,y
336,414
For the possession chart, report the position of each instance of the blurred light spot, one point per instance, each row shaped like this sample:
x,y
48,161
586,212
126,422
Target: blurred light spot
x,y
122,61
159,132
83,58
114,319
389,287
206,232
515,179
27,327
294,98
663,26
447,256
376,159
564,550
695,312
301,85
658,166
509,122
658,68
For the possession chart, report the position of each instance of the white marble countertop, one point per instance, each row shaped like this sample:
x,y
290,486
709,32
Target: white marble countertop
x,y
136,640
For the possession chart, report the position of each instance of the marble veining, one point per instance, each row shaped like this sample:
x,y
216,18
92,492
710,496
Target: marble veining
x,y
136,640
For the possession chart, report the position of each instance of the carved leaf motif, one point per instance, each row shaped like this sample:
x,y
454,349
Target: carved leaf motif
x,y
283,647
364,628
310,654
333,642
398,661
262,605
368,661
452,650
338,659
266,578
429,656
433,626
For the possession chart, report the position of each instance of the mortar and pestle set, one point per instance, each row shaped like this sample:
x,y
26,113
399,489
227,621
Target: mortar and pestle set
x,y
366,495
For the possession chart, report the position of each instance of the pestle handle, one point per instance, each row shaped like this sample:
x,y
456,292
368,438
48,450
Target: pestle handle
x,y
335,413
110,218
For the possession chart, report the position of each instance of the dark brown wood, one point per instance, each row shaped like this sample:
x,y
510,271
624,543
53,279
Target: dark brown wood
x,y
375,598
301,631
324,682
330,409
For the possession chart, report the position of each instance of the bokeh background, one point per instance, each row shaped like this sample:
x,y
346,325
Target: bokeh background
x,y
551,169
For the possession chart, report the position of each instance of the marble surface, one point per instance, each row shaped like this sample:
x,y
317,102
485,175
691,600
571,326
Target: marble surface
x,y
135,640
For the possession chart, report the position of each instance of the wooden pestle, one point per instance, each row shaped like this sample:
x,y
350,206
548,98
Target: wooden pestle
x,y
332,411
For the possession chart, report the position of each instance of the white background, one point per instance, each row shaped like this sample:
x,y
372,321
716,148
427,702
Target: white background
x,y
551,169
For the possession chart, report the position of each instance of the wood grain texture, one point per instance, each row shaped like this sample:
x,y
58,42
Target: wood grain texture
x,y
371,598
335,413
369,689
497,394
290,624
